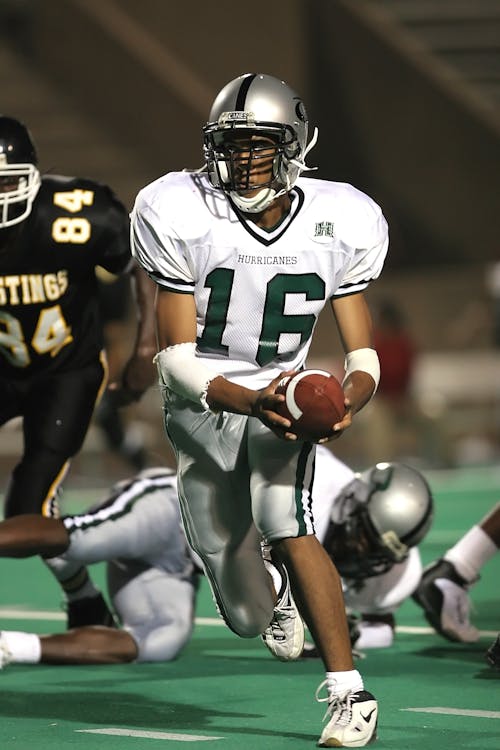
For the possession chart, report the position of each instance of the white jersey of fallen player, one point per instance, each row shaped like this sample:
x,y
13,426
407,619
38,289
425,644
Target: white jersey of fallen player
x,y
271,285
380,594
330,477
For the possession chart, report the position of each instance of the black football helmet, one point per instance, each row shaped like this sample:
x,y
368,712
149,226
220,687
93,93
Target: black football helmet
x,y
19,176
264,114
387,509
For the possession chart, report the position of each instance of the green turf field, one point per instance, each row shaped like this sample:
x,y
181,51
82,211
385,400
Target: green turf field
x,y
230,693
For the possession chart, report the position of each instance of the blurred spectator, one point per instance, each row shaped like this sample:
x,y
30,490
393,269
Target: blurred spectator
x,y
390,420
397,353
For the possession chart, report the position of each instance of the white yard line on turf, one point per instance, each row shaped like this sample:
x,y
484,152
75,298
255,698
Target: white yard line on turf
x,y
18,613
455,712
422,630
149,735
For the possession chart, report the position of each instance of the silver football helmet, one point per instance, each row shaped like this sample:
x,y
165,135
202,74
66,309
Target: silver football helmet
x,y
19,175
253,115
389,509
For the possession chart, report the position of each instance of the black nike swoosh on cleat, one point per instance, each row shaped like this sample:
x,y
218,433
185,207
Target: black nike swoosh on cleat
x,y
367,718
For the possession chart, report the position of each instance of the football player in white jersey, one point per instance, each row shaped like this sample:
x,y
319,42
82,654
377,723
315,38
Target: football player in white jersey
x,y
369,523
246,254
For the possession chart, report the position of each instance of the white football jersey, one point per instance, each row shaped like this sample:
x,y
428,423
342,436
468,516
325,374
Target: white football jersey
x,y
258,293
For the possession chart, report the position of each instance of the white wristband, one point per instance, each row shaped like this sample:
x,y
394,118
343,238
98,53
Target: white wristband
x,y
365,360
182,372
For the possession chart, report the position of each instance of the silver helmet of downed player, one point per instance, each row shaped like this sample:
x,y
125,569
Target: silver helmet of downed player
x,y
388,509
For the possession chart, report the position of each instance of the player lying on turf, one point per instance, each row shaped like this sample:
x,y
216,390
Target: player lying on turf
x,y
151,575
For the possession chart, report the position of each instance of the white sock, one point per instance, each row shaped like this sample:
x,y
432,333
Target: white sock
x,y
471,552
342,682
24,648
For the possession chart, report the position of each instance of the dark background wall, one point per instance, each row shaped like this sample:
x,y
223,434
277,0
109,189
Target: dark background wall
x,y
388,123
398,127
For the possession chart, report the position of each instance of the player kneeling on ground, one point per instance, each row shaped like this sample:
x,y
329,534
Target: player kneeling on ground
x,y
151,576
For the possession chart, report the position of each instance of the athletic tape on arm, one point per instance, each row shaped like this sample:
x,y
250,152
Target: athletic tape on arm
x,y
181,371
365,360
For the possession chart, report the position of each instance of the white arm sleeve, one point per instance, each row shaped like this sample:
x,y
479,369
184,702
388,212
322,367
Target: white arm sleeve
x,y
182,372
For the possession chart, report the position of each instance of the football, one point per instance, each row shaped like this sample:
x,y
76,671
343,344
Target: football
x,y
314,402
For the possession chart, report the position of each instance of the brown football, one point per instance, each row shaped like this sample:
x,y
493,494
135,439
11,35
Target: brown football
x,y
314,402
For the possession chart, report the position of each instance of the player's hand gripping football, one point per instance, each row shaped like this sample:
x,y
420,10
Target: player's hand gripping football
x,y
314,403
264,408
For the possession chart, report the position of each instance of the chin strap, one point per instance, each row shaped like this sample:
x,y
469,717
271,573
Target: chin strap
x,y
300,163
257,202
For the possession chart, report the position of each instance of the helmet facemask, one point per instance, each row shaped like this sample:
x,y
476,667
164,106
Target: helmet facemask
x,y
238,159
359,551
19,184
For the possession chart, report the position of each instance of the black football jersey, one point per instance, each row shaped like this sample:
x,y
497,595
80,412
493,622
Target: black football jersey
x,y
49,303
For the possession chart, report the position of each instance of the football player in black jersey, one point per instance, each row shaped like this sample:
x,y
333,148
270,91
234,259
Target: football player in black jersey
x,y
54,231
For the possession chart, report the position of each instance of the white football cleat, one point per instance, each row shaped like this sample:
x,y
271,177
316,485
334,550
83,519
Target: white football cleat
x,y
352,719
284,636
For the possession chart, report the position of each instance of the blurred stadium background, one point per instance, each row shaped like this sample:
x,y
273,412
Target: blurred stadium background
x,y
406,95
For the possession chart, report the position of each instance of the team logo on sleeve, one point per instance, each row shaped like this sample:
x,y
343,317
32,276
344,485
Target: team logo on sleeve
x,y
324,229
